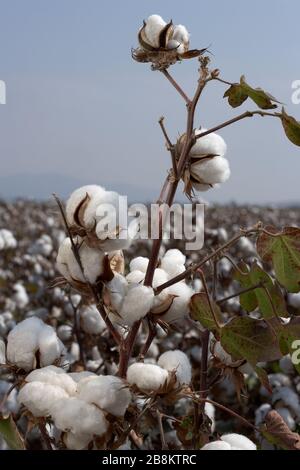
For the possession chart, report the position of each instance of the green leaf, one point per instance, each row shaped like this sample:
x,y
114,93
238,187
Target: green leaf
x,y
201,312
282,250
259,297
291,127
236,95
288,334
250,339
260,97
9,432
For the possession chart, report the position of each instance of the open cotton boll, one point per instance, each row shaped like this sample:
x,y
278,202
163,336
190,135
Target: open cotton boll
x,y
139,264
78,196
201,188
78,376
107,392
211,144
216,445
91,320
74,441
180,305
28,337
153,28
212,170
175,255
287,417
288,397
210,411
54,376
39,397
135,277
79,417
179,362
136,304
160,277
220,353
294,300
238,441
20,295
7,240
147,377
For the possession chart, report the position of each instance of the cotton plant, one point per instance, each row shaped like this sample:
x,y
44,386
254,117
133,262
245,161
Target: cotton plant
x,y
83,367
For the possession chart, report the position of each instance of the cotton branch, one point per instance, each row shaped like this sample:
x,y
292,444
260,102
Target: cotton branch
x,y
176,86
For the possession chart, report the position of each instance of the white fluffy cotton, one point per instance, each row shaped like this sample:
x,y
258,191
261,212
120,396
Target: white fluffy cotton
x,y
154,26
180,305
178,362
79,417
173,263
107,392
93,191
91,259
39,398
137,303
2,352
231,442
147,377
77,441
139,264
294,300
91,320
211,144
212,171
29,337
220,353
288,397
7,240
20,295
54,376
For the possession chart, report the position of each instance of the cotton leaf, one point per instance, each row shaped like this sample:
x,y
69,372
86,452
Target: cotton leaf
x,y
291,127
236,95
276,431
263,99
201,312
9,432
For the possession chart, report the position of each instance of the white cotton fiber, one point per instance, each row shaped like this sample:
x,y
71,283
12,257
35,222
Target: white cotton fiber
x,y
238,441
135,277
74,441
181,34
178,362
78,376
217,445
147,377
2,352
20,295
28,337
91,320
79,417
294,300
180,305
139,264
287,417
107,392
54,376
289,398
160,277
201,187
211,144
7,240
78,196
175,255
220,353
154,26
136,304
39,398
211,170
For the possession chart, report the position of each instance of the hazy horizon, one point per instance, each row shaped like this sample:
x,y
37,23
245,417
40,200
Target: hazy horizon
x,y
80,108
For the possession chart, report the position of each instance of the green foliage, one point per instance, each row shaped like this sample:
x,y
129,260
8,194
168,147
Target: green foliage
x,y
238,93
201,312
291,127
10,433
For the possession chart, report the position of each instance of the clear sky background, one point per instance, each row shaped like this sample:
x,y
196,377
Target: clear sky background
x,y
80,110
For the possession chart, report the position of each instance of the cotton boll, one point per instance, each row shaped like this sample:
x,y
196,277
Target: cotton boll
x,y
64,332
2,352
78,376
135,277
181,34
147,377
7,240
39,398
210,411
176,256
261,413
239,441
79,417
153,28
139,264
20,296
180,305
211,144
78,196
246,246
173,44
27,338
286,365
91,320
160,277
107,392
217,445
294,300
201,188
74,441
54,376
179,362
212,170
220,353
136,304
288,397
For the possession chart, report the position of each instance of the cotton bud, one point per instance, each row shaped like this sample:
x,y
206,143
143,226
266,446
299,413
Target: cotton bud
x,y
79,417
147,377
107,392
29,337
178,362
91,320
39,398
231,442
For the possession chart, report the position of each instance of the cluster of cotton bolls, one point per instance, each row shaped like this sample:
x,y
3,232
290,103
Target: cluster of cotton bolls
x,y
77,403
208,166
7,240
130,300
154,377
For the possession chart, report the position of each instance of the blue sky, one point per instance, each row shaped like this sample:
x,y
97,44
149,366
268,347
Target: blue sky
x,y
79,107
